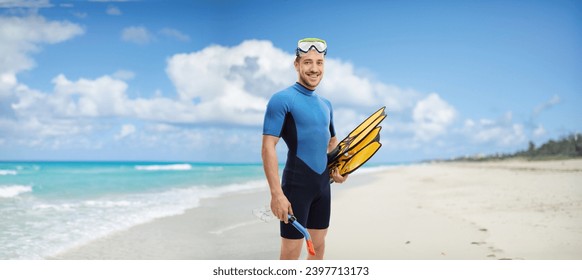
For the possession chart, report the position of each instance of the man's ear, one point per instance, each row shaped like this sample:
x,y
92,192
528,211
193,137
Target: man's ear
x,y
296,64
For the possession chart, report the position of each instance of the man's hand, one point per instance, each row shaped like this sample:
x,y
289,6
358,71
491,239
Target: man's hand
x,y
335,175
281,207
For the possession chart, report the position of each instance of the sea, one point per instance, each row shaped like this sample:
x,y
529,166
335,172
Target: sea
x,y
49,207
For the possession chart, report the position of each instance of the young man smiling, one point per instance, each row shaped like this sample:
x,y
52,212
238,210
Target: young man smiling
x,y
305,122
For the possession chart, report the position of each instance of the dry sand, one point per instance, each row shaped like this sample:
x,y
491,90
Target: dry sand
x,y
493,210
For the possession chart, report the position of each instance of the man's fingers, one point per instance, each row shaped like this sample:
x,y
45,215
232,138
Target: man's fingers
x,y
281,208
284,217
290,212
285,212
337,177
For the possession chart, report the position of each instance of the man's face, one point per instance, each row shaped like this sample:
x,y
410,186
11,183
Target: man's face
x,y
310,69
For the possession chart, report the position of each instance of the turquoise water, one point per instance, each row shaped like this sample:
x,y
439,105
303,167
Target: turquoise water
x,y
48,207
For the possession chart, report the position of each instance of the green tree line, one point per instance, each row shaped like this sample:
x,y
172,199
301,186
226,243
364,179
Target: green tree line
x,y
566,147
570,146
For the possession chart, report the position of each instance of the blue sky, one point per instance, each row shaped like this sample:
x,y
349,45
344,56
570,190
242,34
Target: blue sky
x,y
189,80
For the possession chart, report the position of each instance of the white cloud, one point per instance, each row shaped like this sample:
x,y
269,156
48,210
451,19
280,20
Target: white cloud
x,y
501,132
346,88
539,131
432,116
113,11
42,131
220,88
231,85
80,15
7,82
220,85
219,70
25,4
137,34
126,130
124,75
22,36
104,96
142,36
340,80
555,100
175,34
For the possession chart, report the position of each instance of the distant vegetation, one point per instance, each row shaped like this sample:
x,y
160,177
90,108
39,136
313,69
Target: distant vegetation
x,y
567,147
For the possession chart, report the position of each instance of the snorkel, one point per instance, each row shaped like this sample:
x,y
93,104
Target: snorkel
x,y
305,233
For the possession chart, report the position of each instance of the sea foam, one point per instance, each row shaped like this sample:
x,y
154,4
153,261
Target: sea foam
x,y
7,172
72,204
85,220
13,190
166,167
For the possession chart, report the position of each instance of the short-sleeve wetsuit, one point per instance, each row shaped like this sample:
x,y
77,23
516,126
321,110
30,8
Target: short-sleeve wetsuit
x,y
305,122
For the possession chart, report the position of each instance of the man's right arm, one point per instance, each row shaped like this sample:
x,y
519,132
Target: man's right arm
x,y
280,206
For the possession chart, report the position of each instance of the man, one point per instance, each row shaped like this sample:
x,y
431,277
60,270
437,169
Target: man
x,y
305,122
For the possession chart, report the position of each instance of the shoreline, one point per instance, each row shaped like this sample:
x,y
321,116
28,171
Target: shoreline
x,y
209,231
122,244
458,210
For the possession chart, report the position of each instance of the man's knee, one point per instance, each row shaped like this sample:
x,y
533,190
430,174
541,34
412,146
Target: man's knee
x,y
291,248
318,238
318,235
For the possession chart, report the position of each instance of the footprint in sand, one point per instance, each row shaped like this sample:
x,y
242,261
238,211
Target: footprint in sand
x,y
495,250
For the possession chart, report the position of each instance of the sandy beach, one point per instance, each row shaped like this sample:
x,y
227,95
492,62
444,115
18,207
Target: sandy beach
x,y
483,211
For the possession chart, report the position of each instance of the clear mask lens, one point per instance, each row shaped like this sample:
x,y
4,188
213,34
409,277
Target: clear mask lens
x,y
320,47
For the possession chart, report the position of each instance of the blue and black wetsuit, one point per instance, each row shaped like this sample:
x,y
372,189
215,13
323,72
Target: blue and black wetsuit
x,y
305,122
